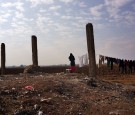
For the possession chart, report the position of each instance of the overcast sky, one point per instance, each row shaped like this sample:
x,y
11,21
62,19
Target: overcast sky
x,y
60,26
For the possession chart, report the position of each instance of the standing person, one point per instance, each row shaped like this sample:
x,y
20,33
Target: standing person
x,y
72,62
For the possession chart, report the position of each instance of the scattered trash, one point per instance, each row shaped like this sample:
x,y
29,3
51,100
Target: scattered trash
x,y
47,100
29,88
13,88
37,107
56,94
40,113
114,112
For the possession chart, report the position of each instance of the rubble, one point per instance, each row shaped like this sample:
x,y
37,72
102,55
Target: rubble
x,y
31,69
65,93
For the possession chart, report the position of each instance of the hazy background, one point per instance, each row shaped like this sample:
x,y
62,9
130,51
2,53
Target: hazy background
x,y
60,28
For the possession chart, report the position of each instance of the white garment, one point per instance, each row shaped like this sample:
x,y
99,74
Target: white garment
x,y
80,61
83,60
85,57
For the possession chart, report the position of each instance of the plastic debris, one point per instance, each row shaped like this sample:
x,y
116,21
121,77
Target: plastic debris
x,y
40,112
29,88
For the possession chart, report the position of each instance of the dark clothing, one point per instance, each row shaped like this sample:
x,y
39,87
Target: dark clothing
x,y
134,65
111,61
126,65
121,66
72,59
130,66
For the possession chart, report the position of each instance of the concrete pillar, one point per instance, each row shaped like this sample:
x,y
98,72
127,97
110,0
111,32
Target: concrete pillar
x,y
3,59
91,50
34,51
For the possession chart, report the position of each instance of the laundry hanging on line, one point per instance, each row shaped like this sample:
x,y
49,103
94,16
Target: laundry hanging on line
x,y
83,60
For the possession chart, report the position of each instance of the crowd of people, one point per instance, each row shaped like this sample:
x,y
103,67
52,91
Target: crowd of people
x,y
125,66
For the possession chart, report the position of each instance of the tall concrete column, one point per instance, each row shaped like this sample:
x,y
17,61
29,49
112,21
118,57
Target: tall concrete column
x,y
3,59
91,50
34,51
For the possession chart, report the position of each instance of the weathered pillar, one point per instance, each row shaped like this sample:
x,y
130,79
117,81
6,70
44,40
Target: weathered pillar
x,y
91,50
34,51
3,59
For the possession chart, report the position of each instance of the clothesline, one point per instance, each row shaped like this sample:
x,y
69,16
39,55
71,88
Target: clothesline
x,y
114,57
83,60
124,64
103,57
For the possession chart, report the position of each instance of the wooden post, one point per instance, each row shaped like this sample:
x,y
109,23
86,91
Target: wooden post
x,y
91,50
3,59
34,51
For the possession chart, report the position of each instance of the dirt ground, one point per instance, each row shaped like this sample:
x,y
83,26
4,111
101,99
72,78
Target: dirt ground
x,y
67,94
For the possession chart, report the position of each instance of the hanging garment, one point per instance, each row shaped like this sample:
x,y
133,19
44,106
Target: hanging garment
x,y
85,59
101,59
80,61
